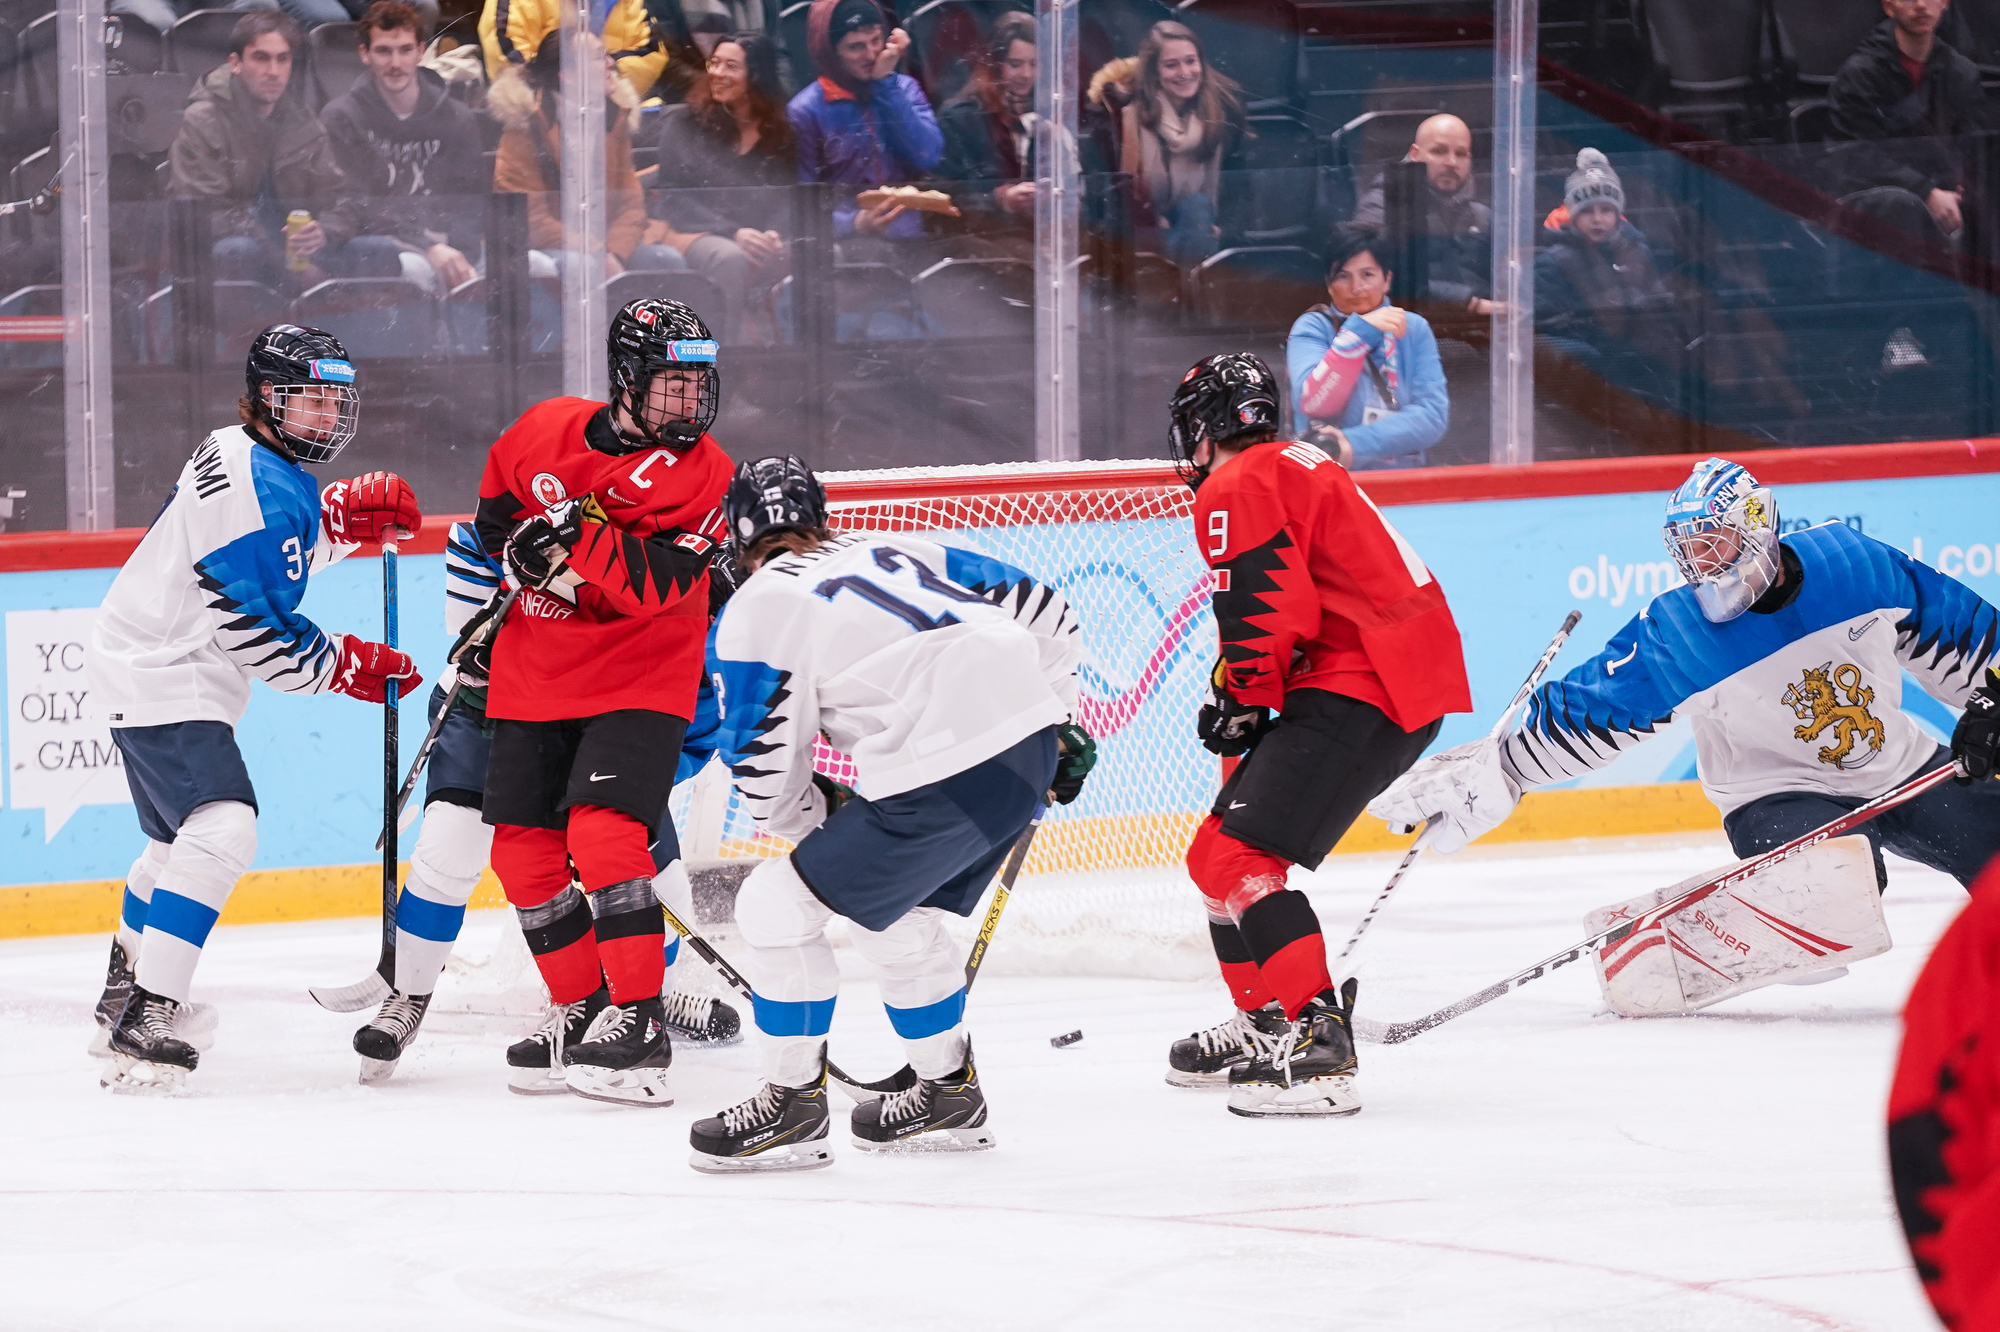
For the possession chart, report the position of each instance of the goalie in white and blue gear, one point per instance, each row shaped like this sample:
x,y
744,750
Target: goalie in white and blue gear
x,y
207,602
947,676
1787,657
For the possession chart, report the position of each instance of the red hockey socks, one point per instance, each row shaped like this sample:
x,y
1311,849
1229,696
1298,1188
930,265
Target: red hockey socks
x,y
1283,935
533,869
610,850
1274,949
1247,988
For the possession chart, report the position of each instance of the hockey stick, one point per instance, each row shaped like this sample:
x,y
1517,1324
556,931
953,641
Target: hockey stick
x,y
1395,1033
1410,856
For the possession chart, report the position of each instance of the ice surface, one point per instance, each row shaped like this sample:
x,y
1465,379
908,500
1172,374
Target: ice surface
x,y
1536,1164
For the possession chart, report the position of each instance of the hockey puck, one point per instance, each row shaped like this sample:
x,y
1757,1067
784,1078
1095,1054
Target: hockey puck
x,y
1066,1039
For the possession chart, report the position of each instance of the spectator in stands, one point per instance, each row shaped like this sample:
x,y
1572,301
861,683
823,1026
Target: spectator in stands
x,y
989,132
411,152
728,163
1909,104
1599,298
511,32
1457,229
1367,385
160,14
861,123
526,101
1102,122
248,147
306,13
1182,129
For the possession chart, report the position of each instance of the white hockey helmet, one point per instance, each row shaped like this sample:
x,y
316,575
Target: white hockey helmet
x,y
1722,530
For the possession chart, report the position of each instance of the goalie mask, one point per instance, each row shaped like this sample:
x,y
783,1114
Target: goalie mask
x,y
663,345
1219,398
769,495
313,407
1722,530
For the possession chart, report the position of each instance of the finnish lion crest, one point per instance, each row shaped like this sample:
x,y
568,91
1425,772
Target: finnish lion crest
x,y
1816,702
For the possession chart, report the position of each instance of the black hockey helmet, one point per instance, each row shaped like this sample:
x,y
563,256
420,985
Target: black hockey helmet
x,y
770,494
314,407
649,336
1219,398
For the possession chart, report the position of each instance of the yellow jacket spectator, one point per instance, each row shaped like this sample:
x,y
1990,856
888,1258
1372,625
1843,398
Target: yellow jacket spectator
x,y
511,31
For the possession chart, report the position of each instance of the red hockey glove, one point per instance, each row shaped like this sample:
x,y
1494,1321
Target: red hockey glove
x,y
366,508
366,668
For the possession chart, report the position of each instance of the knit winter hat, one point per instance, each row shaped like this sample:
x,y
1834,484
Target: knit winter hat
x,y
1593,181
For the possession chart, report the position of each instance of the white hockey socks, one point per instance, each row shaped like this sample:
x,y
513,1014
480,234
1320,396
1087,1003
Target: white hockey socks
x,y
672,886
139,883
790,967
451,851
210,851
923,987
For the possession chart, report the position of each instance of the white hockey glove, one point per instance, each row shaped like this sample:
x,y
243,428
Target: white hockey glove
x,y
1464,788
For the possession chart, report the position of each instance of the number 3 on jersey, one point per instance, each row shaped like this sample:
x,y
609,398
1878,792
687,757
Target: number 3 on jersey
x,y
907,603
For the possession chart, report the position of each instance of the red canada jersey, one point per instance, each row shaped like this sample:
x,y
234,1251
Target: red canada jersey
x,y
1315,590
631,634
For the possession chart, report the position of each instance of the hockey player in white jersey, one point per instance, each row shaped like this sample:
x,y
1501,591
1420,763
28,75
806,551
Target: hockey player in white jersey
x,y
950,678
453,844
1787,657
208,601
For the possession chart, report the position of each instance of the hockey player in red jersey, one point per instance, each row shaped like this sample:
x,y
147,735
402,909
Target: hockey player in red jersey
x,y
1328,618
615,510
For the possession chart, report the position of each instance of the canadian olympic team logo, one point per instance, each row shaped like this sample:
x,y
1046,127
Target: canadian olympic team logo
x,y
547,488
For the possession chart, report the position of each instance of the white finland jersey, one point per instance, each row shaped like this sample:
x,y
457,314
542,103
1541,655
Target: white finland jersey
x,y
210,598
917,659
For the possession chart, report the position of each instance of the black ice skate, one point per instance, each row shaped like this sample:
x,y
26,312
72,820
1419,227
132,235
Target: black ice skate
x,y
943,1114
698,1018
535,1065
1206,1058
623,1058
193,1023
780,1128
146,1054
382,1042
1300,1068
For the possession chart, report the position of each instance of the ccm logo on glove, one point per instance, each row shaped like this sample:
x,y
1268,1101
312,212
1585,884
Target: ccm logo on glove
x,y
369,508
366,668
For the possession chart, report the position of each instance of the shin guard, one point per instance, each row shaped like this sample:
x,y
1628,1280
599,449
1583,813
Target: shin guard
x,y
210,851
1283,935
629,927
444,869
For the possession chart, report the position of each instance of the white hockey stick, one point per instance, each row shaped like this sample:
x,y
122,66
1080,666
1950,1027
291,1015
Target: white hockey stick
x,y
1394,1033
1410,856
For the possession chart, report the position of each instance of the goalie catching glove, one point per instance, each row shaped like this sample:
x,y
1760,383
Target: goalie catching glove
x,y
1464,789
1076,755
1225,726
1975,741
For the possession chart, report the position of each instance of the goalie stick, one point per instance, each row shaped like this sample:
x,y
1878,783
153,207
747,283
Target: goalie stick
x,y
1410,856
1395,1033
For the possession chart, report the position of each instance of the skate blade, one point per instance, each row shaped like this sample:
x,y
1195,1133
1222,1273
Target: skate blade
x,y
682,1036
1206,1081
1817,977
619,1086
933,1142
536,1082
196,1024
801,1156
374,1071
137,1077
1331,1097
100,1044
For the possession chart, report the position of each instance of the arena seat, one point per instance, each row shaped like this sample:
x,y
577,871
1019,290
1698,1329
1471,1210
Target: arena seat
x,y
690,289
36,96
373,316
1264,286
1255,42
977,298
1818,36
200,41
1711,53
132,46
242,311
466,325
39,299
333,51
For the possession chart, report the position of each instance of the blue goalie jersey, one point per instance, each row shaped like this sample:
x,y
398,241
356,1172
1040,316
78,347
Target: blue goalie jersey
x,y
1807,698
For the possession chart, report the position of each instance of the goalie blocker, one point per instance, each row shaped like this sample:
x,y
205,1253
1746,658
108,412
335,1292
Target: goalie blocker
x,y
1810,914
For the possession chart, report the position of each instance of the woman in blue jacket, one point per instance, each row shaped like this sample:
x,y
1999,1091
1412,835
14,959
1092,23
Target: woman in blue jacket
x,y
1366,381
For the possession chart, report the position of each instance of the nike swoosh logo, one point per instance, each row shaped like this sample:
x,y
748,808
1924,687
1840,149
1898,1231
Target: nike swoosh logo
x,y
602,776
1854,635
1237,804
613,491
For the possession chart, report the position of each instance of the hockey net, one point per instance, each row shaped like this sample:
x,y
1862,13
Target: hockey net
x,y
1103,891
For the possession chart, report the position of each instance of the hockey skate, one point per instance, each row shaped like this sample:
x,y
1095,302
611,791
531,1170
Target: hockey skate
x,y
623,1057
535,1065
780,1128
1206,1058
702,1020
146,1054
193,1023
1300,1068
942,1114
382,1041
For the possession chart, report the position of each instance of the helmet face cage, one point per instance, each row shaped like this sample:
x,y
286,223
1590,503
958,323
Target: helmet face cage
x,y
1720,500
315,421
631,384
769,494
648,337
1218,399
313,407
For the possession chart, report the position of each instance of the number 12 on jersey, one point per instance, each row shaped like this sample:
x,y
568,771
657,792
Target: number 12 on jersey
x,y
907,603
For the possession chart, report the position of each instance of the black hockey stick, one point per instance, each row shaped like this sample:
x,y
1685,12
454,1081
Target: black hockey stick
x,y
1410,856
906,1077
1395,1033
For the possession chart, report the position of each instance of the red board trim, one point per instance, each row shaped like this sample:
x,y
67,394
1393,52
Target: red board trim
x,y
27,552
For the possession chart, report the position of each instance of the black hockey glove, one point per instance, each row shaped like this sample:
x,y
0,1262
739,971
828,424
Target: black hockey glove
x,y
836,794
1227,727
724,577
472,651
1076,755
532,548
1975,741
